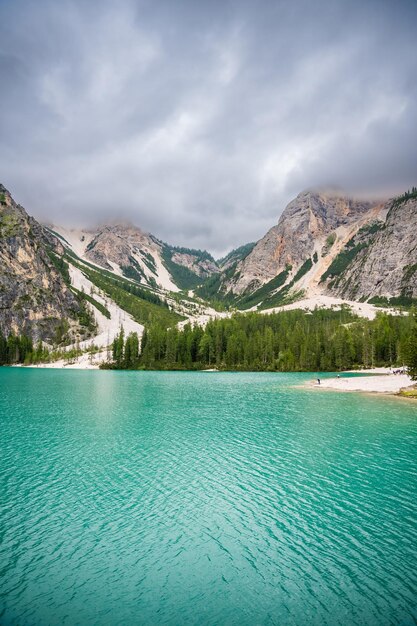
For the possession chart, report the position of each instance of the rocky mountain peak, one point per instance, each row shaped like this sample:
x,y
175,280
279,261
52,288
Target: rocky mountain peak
x,y
301,231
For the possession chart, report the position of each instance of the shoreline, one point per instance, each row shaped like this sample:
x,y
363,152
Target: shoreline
x,y
378,380
381,381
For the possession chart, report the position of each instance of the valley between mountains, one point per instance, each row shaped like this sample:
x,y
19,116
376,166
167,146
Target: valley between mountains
x,y
73,289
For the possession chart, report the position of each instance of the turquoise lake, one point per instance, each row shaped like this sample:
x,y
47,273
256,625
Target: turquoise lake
x,y
204,499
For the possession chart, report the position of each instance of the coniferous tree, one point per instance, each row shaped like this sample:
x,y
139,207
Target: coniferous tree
x,y
287,341
410,352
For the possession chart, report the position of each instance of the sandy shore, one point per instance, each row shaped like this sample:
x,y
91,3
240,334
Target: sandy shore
x,y
381,383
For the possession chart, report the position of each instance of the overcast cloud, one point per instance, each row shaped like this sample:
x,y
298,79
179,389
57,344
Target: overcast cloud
x,y
199,120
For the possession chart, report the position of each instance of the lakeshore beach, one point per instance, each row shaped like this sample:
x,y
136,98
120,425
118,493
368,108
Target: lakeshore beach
x,y
377,380
382,380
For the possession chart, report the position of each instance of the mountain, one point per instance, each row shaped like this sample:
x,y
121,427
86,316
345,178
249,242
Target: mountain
x,y
327,243
380,261
216,286
128,251
236,255
64,285
34,297
302,230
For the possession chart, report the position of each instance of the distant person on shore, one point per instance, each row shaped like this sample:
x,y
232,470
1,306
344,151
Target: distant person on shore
x,y
318,381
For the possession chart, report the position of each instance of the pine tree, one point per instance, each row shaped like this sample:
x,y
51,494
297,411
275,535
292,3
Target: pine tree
x,y
3,349
411,352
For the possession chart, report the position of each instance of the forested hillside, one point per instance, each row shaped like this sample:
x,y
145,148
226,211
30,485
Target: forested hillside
x,y
324,340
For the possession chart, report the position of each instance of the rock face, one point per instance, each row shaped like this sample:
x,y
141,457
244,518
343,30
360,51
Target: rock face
x,y
387,265
202,267
324,243
302,231
126,248
34,298
129,251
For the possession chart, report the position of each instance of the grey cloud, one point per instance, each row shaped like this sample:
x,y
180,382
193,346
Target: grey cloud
x,y
200,121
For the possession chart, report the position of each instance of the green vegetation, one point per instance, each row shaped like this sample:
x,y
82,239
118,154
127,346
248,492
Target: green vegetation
x,y
15,349
238,254
9,224
182,276
85,297
94,273
342,260
84,315
264,296
371,229
21,350
408,273
60,265
408,195
328,244
410,351
149,261
57,235
324,340
125,352
283,296
2,198
248,301
409,393
202,255
399,302
306,267
212,289
133,270
330,240
145,306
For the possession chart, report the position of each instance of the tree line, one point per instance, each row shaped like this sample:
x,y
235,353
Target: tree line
x,y
20,349
15,349
324,340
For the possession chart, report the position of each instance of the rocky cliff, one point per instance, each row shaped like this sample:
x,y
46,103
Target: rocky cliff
x,y
199,265
302,231
325,243
384,262
34,298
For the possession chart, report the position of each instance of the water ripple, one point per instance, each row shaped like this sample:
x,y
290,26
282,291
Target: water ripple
x,y
151,498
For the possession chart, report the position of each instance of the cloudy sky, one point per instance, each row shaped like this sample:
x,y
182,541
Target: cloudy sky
x,y
200,120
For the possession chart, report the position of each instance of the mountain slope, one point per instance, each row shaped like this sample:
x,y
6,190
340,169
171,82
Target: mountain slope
x,y
34,298
128,251
65,286
236,255
216,286
385,265
330,244
302,231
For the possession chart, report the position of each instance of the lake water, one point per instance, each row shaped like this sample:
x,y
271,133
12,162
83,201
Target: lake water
x,y
204,498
